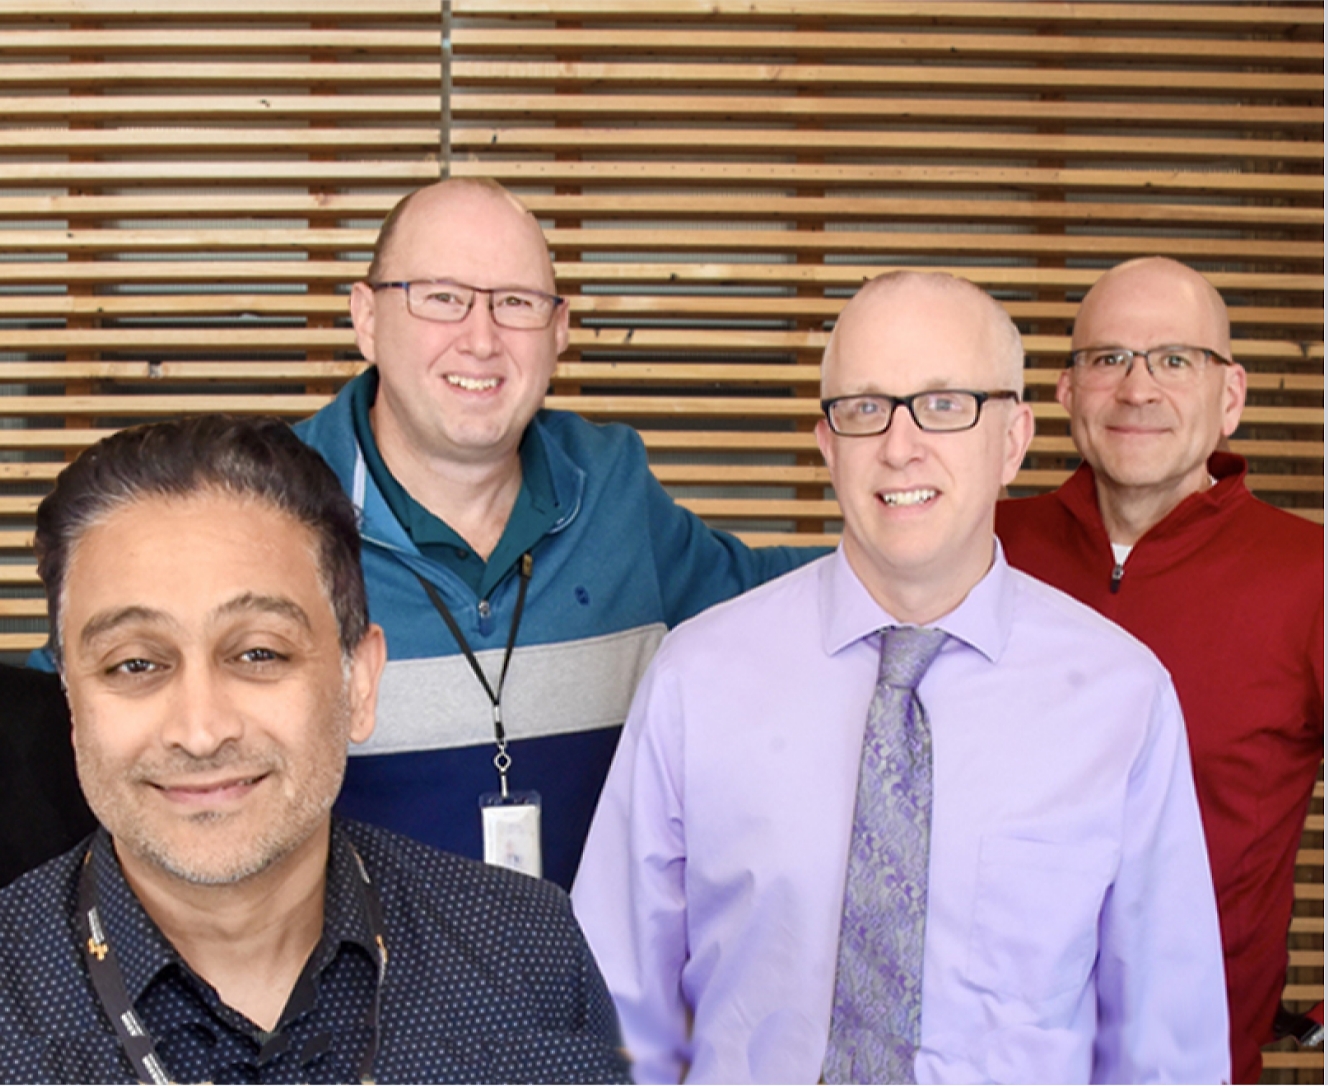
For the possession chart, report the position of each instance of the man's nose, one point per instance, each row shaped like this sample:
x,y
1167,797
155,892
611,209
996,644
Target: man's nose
x,y
200,718
478,334
900,443
1138,385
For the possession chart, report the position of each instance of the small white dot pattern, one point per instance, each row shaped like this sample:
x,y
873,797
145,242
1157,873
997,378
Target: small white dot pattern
x,y
489,980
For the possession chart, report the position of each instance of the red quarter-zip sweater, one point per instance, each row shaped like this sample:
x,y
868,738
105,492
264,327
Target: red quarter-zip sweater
x,y
1228,591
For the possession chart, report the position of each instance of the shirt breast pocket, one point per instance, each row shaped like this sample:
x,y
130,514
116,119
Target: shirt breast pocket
x,y
1035,916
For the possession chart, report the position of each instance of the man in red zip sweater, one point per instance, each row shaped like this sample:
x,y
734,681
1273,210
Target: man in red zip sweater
x,y
1157,531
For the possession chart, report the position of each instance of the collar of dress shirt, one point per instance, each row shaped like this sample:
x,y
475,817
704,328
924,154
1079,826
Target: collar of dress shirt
x,y
143,951
850,614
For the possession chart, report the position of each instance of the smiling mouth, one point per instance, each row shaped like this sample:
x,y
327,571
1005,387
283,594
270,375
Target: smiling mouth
x,y
190,792
909,497
471,384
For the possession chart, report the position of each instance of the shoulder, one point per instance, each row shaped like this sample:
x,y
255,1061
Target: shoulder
x,y
330,430
750,623
1031,521
43,991
1281,531
475,902
1057,618
589,443
44,898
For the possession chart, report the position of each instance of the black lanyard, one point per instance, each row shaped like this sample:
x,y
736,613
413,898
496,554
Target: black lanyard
x,y
137,1042
502,761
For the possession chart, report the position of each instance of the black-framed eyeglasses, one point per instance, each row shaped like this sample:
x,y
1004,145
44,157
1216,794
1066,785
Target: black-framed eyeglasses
x,y
447,302
937,411
1174,366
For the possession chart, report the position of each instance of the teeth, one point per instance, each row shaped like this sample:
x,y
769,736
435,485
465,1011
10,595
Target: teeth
x,y
472,384
909,497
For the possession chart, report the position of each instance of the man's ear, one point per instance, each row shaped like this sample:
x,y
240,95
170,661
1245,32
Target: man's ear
x,y
825,441
561,327
1234,382
1064,391
363,299
366,669
1018,436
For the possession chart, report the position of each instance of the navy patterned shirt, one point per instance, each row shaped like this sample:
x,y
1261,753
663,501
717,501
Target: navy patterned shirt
x,y
488,980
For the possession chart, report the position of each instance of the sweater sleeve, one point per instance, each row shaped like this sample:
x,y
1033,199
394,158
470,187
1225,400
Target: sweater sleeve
x,y
699,566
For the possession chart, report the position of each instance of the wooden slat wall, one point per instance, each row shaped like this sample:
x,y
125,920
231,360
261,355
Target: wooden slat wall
x,y
187,188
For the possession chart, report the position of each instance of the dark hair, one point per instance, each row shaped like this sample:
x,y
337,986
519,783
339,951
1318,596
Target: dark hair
x,y
246,457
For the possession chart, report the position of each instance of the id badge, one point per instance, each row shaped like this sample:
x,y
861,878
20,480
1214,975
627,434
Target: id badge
x,y
511,827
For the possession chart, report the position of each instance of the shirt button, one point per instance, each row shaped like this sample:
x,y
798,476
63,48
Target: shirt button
x,y
483,608
462,553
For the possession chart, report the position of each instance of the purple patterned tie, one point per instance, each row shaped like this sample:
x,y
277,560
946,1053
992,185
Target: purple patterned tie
x,y
875,1021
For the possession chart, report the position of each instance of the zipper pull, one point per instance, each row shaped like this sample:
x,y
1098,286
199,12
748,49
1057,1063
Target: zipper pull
x,y
1116,574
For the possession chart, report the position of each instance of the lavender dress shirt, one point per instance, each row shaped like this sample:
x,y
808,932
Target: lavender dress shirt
x,y
1071,929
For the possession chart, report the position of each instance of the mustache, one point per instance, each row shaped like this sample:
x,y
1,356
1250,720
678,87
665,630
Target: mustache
x,y
230,756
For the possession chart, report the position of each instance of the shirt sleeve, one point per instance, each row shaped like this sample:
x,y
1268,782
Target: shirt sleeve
x,y
629,893
1162,1010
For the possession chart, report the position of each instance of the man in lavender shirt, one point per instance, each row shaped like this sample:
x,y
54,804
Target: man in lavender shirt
x,y
1070,928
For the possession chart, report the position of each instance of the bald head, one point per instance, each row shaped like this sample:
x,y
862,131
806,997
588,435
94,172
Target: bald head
x,y
461,196
868,315
1157,302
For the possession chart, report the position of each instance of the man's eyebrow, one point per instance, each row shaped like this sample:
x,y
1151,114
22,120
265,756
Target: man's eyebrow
x,y
273,605
110,620
106,621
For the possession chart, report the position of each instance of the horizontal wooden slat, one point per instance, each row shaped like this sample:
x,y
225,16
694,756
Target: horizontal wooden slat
x,y
706,273
655,140
768,174
940,13
219,108
144,141
247,11
333,74
256,38
798,44
419,168
894,243
471,103
582,306
1296,1060
615,206
1149,82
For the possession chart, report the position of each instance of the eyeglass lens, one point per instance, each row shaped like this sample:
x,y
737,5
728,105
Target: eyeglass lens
x,y
932,411
1168,365
450,302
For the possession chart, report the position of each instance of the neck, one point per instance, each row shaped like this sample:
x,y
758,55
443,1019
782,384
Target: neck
x,y
473,498
915,597
1129,513
249,939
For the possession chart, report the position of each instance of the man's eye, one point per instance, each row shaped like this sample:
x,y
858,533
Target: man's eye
x,y
941,405
260,656
1108,359
135,666
442,297
514,301
1176,360
863,407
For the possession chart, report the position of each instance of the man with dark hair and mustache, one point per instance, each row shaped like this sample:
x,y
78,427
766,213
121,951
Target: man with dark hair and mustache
x,y
209,623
